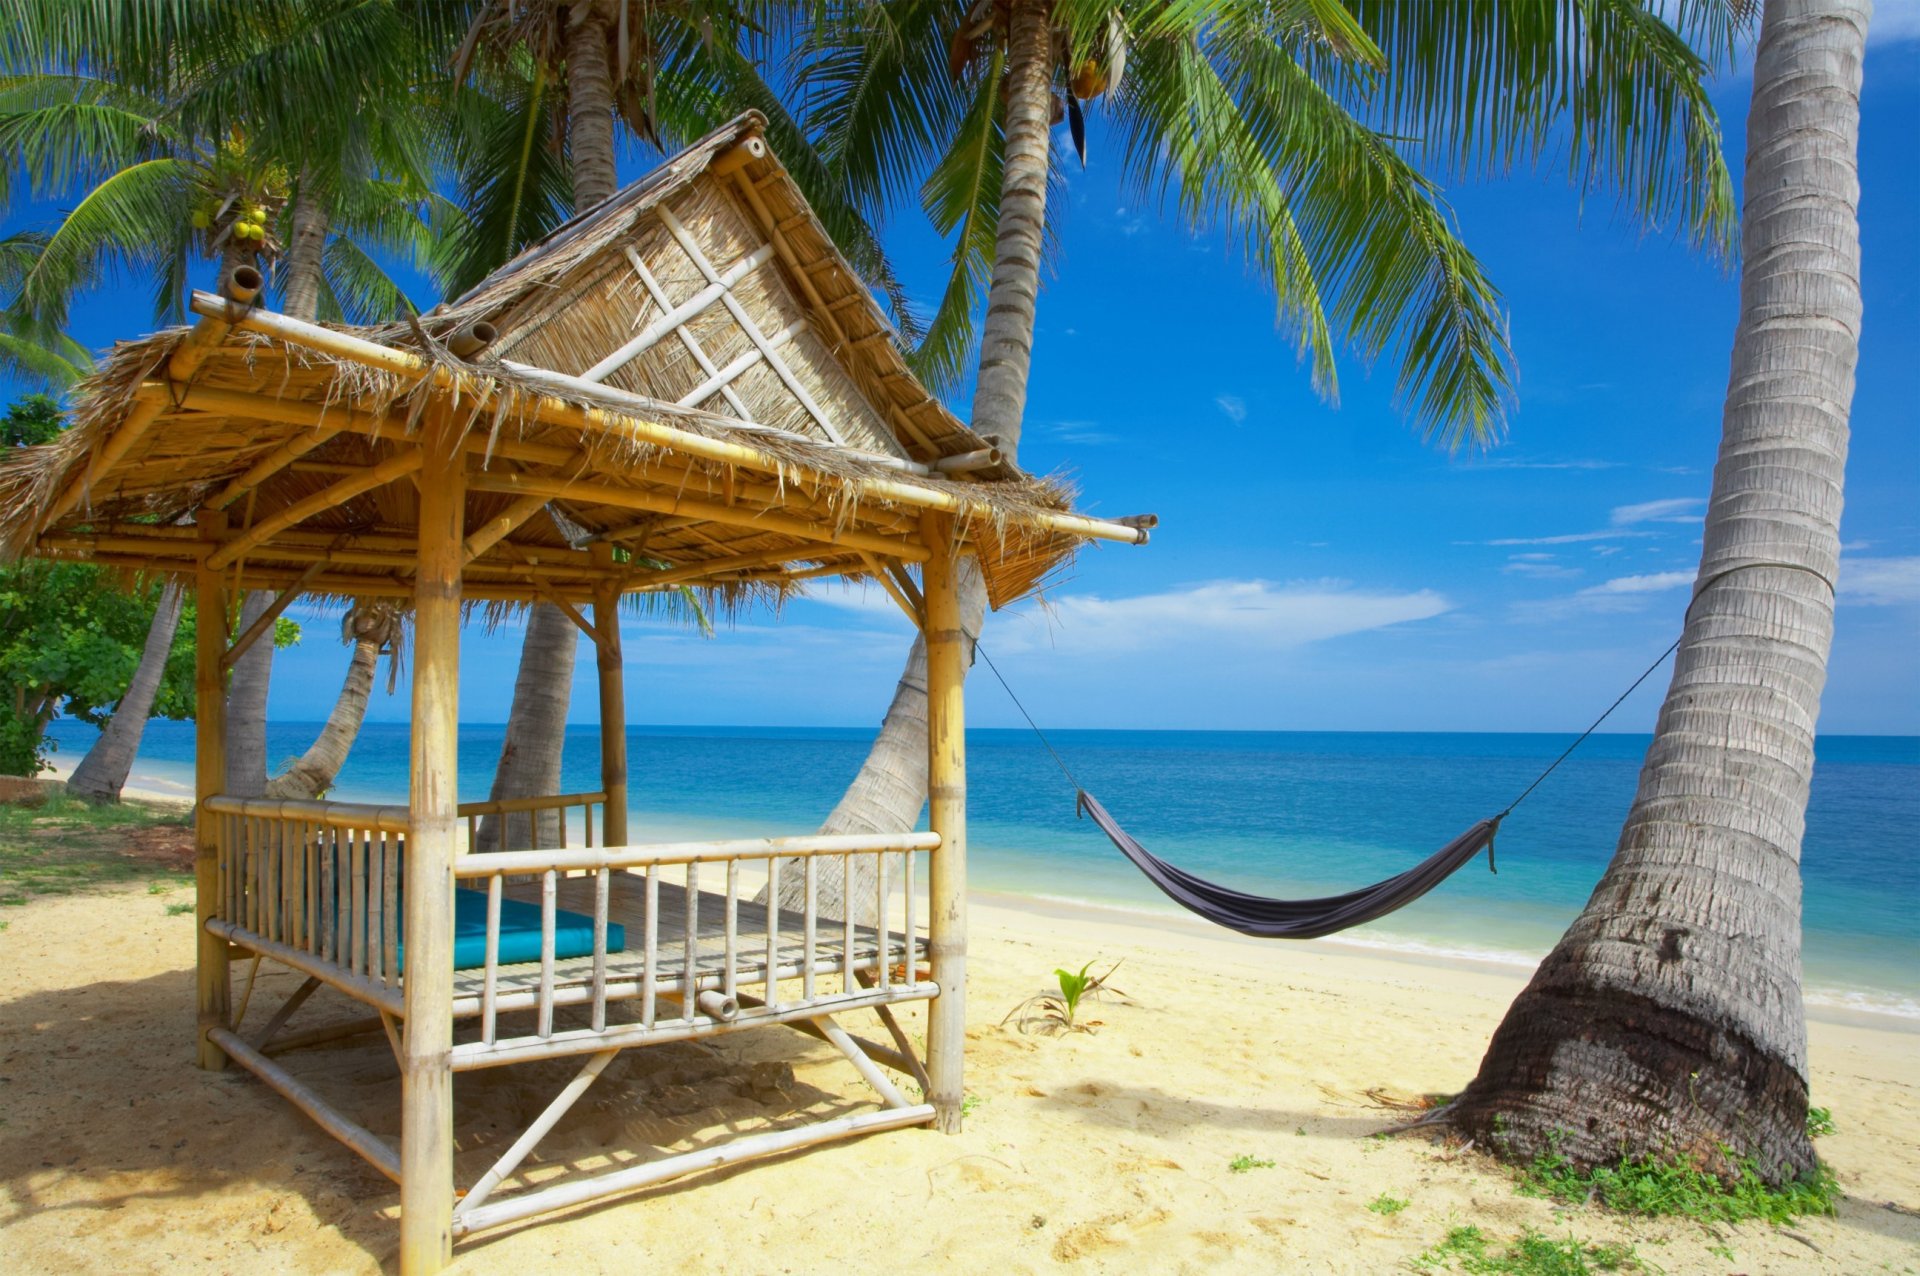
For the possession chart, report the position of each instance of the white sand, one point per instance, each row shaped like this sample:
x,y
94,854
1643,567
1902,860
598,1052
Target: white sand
x,y
1104,1152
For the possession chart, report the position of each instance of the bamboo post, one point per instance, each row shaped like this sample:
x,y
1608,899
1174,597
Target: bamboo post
x,y
213,988
613,705
947,816
426,1120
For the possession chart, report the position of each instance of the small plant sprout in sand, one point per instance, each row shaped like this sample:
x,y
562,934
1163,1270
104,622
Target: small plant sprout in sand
x,y
1385,1204
1058,1010
1245,1162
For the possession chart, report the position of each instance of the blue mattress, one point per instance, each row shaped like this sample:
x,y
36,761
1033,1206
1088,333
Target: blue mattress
x,y
519,932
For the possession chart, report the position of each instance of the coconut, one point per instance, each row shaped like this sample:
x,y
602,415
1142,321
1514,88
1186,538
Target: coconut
x,y
1089,80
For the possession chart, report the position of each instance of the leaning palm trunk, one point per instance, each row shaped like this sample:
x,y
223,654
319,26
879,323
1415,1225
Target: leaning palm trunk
x,y
368,628
530,757
891,788
103,772
1668,1021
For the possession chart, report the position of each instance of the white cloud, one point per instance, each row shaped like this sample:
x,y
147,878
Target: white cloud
x,y
1682,509
1538,566
1884,581
1569,538
1894,21
1234,406
1253,615
1523,463
1655,583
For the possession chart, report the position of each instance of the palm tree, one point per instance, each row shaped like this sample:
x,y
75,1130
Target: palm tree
x,y
103,772
166,171
1298,128
1668,1021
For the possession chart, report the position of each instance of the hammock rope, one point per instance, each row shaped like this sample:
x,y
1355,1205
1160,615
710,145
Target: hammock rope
x,y
1271,918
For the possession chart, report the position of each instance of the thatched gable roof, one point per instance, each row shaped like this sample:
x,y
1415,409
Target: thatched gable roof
x,y
594,452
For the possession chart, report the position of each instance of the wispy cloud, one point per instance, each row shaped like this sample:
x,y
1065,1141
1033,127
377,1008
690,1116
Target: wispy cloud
x,y
1538,566
1885,582
1681,509
1894,21
1083,432
1234,406
1236,615
1620,594
1569,538
1527,463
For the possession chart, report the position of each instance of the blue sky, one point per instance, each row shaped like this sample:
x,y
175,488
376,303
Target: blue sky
x,y
1321,567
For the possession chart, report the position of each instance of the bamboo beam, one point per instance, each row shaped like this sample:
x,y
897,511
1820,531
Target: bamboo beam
x,y
327,498
687,442
722,379
426,1120
651,335
899,596
501,525
587,492
947,816
266,618
213,985
610,664
272,463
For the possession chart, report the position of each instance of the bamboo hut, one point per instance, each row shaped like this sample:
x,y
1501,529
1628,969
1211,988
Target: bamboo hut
x,y
687,386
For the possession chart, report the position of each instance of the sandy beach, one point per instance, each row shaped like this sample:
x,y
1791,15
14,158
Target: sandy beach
x,y
1104,1151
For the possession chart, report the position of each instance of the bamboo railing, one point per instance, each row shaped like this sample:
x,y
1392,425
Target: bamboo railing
x,y
315,885
836,964
517,820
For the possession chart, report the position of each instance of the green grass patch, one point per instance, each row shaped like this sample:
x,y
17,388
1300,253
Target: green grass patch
x,y
1819,1122
65,845
181,909
1245,1162
1655,1188
1532,1253
1384,1204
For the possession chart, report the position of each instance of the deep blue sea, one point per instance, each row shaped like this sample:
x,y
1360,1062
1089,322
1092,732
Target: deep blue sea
x,y
1283,813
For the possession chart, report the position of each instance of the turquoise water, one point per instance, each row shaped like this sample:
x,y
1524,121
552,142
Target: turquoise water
x,y
1286,813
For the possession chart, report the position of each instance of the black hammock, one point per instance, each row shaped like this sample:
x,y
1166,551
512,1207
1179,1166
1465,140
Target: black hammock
x,y
1294,918
1265,918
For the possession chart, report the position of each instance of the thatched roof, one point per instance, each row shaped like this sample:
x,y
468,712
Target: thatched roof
x,y
689,386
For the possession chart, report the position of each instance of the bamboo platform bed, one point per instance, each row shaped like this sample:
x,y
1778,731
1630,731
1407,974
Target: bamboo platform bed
x,y
686,388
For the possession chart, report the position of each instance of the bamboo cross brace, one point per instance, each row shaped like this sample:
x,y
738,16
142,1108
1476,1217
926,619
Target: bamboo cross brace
x,y
747,323
541,1127
716,290
266,618
887,582
328,498
722,379
687,339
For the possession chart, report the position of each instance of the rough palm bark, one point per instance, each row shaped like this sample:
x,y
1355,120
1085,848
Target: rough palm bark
x,y
890,790
103,772
247,704
531,754
306,243
368,628
1668,1021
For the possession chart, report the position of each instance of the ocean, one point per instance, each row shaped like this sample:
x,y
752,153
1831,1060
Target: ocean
x,y
1278,813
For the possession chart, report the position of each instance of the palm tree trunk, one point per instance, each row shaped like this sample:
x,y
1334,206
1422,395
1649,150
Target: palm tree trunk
x,y
537,723
589,106
247,704
320,765
103,772
536,731
891,788
306,247
1668,1021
